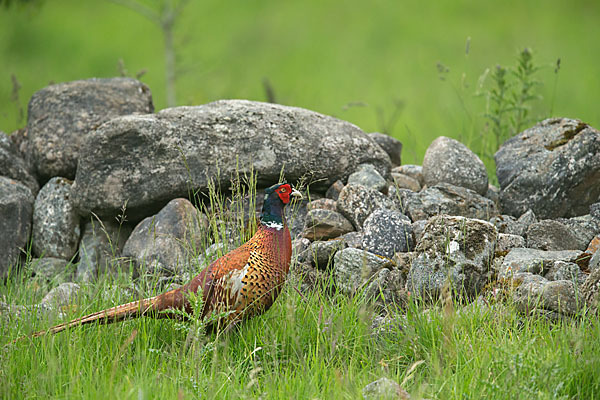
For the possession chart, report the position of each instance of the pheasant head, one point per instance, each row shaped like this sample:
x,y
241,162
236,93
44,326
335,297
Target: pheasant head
x,y
276,198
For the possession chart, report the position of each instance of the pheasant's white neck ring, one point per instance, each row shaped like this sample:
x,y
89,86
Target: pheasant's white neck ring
x,y
273,224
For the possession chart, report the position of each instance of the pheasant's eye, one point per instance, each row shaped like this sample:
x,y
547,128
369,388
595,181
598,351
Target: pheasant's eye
x,y
282,190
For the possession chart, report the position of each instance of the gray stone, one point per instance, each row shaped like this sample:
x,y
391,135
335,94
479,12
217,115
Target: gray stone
x,y
506,242
519,260
300,251
392,146
100,247
322,204
590,290
61,296
406,182
386,232
353,239
367,175
445,198
333,192
13,166
357,202
50,271
149,159
557,296
354,268
325,224
455,251
322,252
56,228
61,116
414,171
403,261
493,193
384,388
387,290
448,160
16,208
307,277
164,243
595,211
552,168
565,271
559,235
418,228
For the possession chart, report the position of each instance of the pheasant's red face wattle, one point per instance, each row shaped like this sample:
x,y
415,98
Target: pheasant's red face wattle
x,y
284,192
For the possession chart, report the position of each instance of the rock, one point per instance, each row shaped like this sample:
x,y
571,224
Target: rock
x,y
559,235
406,182
414,171
325,224
322,204
454,250
568,271
418,227
590,290
322,252
387,290
300,250
13,166
447,160
333,192
16,208
367,175
56,228
513,226
595,211
100,247
384,388
552,168
61,296
519,260
403,261
149,159
163,244
386,232
392,146
493,193
353,239
61,116
296,215
357,202
50,271
445,198
307,277
506,242
354,268
557,296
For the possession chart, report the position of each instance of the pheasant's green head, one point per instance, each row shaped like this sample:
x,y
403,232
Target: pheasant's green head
x,y
276,197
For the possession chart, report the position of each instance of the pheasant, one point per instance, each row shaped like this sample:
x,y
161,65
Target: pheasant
x,y
243,283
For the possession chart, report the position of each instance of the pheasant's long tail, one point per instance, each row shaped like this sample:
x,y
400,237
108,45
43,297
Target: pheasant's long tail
x,y
113,314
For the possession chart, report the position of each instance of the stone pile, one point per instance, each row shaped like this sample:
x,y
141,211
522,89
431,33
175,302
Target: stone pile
x,y
98,182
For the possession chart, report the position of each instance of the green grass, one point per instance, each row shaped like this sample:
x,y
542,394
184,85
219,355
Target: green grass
x,y
307,346
320,55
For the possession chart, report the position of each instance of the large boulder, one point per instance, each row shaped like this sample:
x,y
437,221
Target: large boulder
x,y
56,229
13,166
552,168
147,160
453,251
61,116
448,160
16,208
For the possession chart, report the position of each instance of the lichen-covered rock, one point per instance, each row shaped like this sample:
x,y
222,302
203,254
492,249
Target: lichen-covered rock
x,y
406,182
568,271
354,268
101,244
392,146
333,192
50,271
322,204
357,202
414,171
386,232
61,296
307,277
453,250
448,160
563,234
13,166
164,243
506,242
387,289
520,260
557,296
384,388
322,252
16,207
148,159
323,224
590,290
353,239
552,168
367,175
60,116
445,198
56,228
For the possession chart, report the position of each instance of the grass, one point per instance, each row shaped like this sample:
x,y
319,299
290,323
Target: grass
x,y
307,346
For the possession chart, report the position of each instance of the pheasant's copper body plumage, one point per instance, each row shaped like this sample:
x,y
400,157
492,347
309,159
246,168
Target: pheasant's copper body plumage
x,y
244,282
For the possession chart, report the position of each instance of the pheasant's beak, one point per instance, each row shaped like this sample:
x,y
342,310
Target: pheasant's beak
x,y
296,194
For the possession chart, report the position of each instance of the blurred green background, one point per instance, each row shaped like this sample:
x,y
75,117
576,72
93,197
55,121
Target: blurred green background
x,y
375,63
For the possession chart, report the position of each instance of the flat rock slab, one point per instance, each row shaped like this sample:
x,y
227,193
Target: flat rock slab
x,y
146,160
552,168
60,116
524,260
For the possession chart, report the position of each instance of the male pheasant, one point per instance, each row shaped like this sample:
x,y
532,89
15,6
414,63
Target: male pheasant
x,y
243,283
